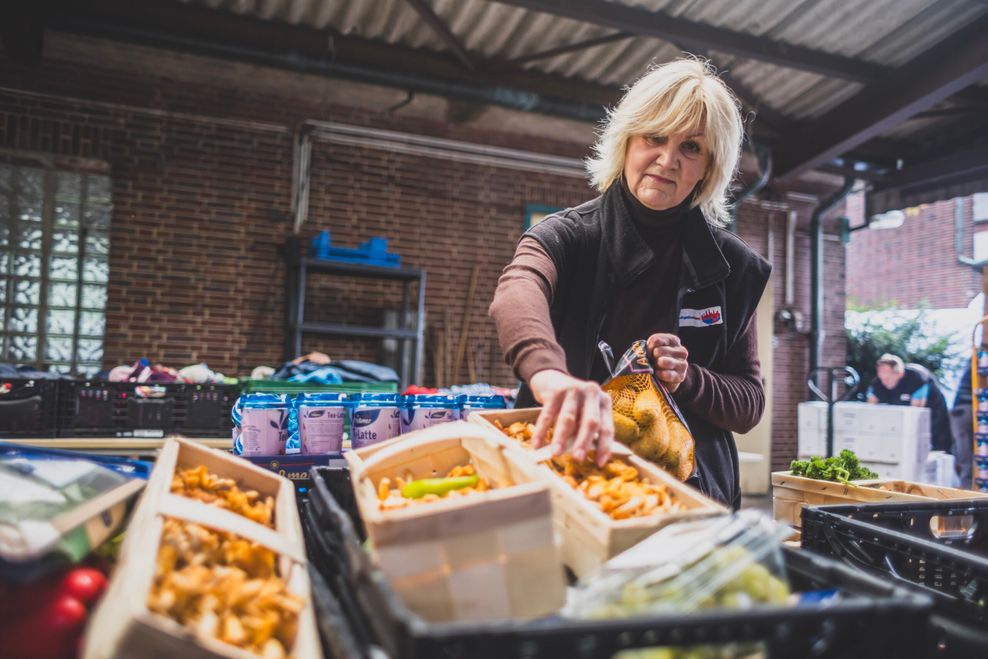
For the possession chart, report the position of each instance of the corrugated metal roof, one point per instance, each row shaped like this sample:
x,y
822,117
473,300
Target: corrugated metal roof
x,y
884,32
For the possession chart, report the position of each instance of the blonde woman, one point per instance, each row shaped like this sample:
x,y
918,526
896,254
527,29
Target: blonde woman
x,y
648,258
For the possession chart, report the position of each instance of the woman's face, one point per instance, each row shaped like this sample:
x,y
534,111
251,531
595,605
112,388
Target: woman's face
x,y
661,170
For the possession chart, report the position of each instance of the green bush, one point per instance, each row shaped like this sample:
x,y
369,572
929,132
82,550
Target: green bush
x,y
911,338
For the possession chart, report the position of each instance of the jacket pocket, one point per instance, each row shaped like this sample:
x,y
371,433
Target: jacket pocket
x,y
703,343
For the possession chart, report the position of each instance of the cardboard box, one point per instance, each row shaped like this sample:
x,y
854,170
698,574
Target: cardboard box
x,y
588,535
485,556
122,626
811,424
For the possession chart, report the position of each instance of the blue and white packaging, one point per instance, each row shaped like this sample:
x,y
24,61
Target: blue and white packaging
x,y
470,404
261,424
426,410
374,418
321,420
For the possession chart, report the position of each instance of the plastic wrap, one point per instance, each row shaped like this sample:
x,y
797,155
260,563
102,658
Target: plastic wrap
x,y
56,506
726,562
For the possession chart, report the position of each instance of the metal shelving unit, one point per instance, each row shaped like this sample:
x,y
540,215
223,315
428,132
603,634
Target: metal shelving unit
x,y
979,385
299,271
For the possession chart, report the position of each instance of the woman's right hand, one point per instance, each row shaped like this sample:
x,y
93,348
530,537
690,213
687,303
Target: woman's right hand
x,y
574,409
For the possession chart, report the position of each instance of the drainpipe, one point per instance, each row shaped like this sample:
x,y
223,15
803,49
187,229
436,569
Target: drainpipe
x,y
816,271
790,293
764,156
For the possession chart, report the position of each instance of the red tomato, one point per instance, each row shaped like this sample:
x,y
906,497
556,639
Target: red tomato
x,y
84,584
66,614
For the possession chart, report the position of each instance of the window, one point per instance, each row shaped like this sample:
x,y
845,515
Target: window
x,y
535,213
980,206
54,244
981,246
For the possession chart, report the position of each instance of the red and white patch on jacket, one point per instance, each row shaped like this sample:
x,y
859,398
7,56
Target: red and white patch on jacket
x,y
701,317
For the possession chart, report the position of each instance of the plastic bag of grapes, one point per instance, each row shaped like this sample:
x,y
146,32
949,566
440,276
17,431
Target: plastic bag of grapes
x,y
732,562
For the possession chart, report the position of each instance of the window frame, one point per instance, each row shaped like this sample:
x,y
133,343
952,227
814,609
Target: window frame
x,y
531,210
51,168
979,200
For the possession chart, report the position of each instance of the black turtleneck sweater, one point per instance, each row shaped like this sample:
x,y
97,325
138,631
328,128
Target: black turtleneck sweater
x,y
648,301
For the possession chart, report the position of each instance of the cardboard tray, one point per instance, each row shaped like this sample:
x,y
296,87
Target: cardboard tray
x,y
486,556
588,535
122,625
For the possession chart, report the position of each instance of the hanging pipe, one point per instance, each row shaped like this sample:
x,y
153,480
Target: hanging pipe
x,y
764,156
816,271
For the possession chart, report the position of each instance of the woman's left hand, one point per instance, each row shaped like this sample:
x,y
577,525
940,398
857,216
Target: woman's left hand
x,y
669,357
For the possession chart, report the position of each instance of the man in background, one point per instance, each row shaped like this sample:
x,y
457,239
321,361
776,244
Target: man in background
x,y
911,384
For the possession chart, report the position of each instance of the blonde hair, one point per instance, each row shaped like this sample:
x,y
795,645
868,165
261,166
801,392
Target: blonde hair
x,y
674,98
888,359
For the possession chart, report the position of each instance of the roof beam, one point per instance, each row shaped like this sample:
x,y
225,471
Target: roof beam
x,y
869,175
698,36
945,168
949,112
178,26
882,153
945,69
437,25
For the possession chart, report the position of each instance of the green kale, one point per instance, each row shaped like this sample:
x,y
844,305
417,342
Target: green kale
x,y
841,468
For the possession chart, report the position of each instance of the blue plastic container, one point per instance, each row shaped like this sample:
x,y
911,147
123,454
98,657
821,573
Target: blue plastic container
x,y
371,252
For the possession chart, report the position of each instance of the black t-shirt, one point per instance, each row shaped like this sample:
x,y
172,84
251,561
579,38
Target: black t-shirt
x,y
914,384
918,383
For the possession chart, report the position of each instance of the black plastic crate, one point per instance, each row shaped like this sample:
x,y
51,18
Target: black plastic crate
x,y
28,408
875,618
128,409
939,548
338,640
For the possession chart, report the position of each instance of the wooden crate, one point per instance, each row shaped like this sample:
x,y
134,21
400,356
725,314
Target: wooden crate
x,y
931,492
487,556
589,536
354,458
122,625
790,493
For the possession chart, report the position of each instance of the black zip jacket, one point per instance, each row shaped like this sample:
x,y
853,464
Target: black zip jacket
x,y
597,249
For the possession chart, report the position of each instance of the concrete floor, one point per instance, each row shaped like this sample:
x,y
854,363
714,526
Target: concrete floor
x,y
761,502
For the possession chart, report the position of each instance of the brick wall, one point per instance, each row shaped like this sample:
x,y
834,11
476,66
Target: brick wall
x,y
443,216
915,264
200,154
